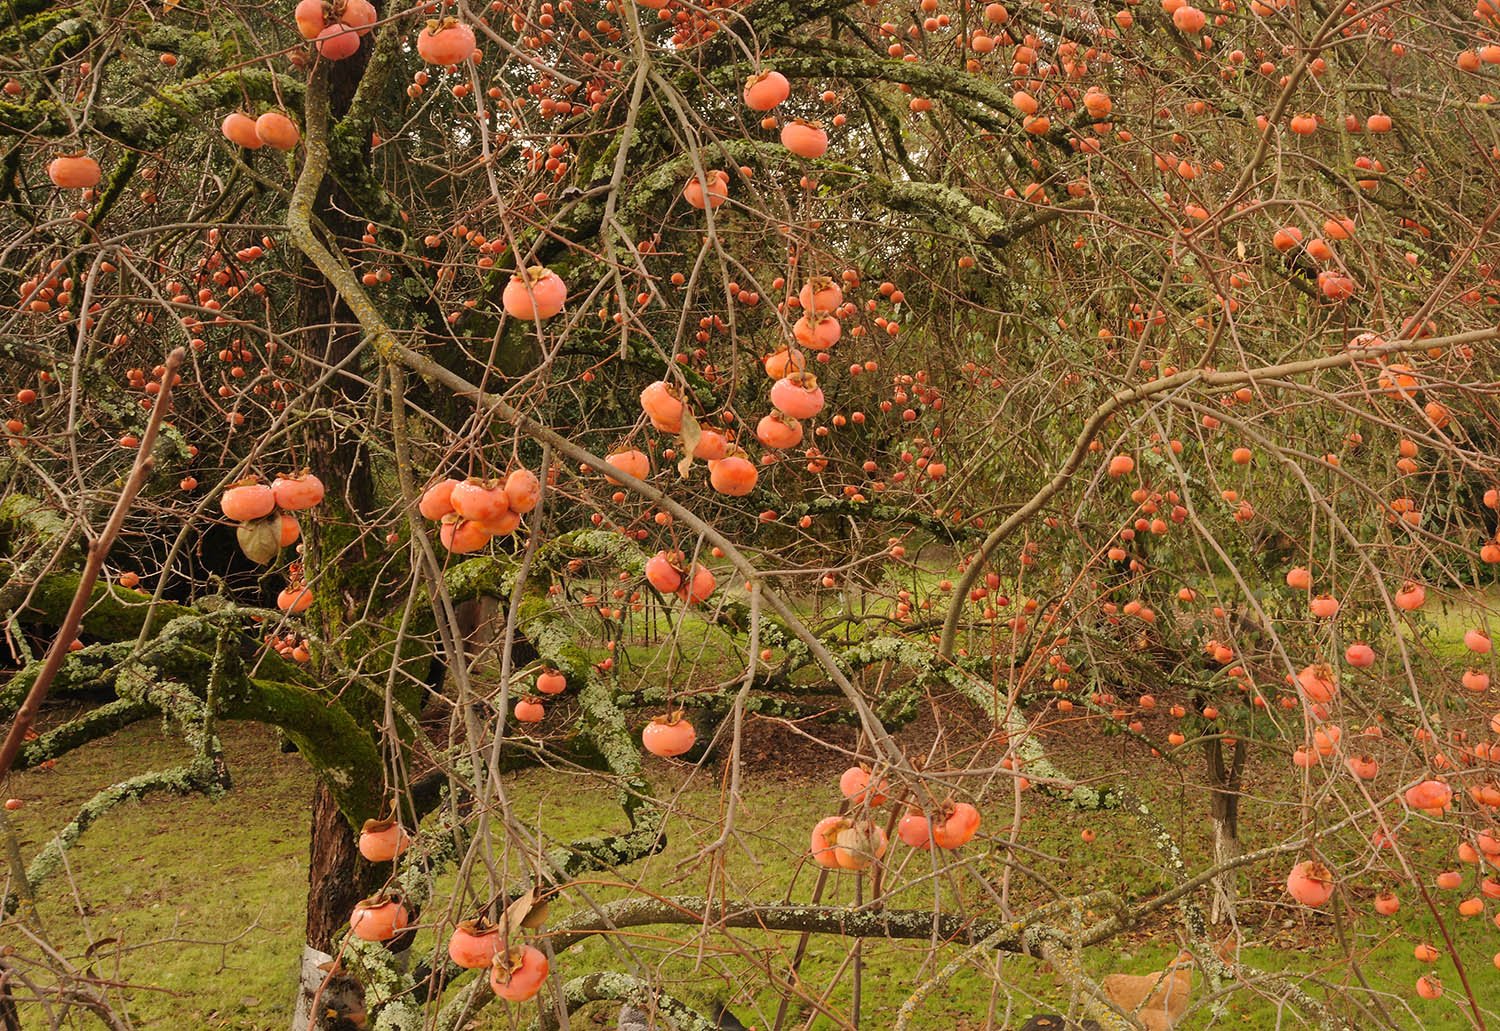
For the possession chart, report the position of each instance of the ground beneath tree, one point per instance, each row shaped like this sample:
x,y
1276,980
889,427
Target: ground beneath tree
x,y
196,904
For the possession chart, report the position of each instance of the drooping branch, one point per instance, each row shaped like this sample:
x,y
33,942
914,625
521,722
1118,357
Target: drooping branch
x,y
342,752
641,911
932,201
198,776
988,105
94,724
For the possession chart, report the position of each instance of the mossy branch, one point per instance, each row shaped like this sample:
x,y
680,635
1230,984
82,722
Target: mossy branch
x,y
153,124
609,986
113,614
930,200
989,105
919,925
91,726
341,751
339,748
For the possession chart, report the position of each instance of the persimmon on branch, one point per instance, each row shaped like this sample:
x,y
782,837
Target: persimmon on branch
x,y
1052,226
1209,378
390,348
156,123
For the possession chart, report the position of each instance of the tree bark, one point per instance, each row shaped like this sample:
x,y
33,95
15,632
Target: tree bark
x,y
1224,810
337,878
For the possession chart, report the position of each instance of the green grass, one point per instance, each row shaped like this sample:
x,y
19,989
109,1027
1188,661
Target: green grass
x,y
193,907
198,903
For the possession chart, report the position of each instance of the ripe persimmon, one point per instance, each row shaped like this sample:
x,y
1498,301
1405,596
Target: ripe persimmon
x,y
1310,883
380,841
445,42
956,825
74,172
663,405
734,475
378,918
669,736
474,944
517,975
798,395
805,139
631,462
530,710
539,293
239,128
483,501
855,785
247,500
437,500
277,131
295,492
523,490
766,90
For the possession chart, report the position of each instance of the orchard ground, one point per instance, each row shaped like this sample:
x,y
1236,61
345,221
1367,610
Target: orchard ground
x,y
194,907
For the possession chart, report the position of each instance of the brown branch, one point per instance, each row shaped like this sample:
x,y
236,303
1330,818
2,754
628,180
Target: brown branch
x,y
811,919
98,549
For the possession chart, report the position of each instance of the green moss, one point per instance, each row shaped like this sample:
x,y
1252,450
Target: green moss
x,y
113,613
341,750
21,516
92,725
155,123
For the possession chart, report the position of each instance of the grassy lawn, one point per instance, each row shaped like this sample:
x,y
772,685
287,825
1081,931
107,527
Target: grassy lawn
x,y
197,902
193,907
196,905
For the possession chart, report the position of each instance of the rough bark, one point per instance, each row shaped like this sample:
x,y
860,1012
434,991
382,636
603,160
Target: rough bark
x,y
337,556
1224,811
337,878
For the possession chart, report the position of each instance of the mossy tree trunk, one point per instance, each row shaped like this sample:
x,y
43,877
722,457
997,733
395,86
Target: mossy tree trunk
x,y
339,560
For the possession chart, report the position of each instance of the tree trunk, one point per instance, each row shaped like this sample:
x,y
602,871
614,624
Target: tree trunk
x,y
337,878
335,553
478,623
1224,810
10,1016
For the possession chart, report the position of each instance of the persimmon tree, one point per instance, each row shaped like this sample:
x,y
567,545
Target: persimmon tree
x,y
1172,328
